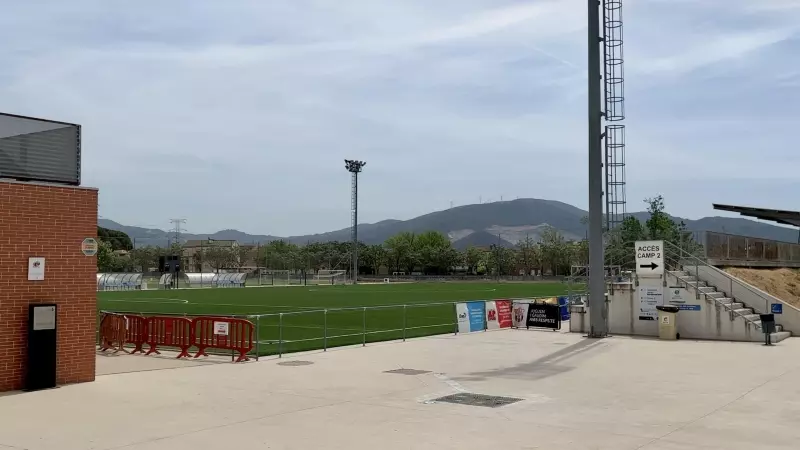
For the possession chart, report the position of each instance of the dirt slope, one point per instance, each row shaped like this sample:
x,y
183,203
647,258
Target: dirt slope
x,y
782,283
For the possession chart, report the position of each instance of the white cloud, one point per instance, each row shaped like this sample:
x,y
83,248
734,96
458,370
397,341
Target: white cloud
x,y
254,104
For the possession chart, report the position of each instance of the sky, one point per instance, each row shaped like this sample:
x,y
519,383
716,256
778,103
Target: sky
x,y
239,114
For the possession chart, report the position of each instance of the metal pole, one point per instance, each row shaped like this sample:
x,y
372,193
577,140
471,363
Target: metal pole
x,y
404,323
455,314
325,332
364,325
355,227
280,335
258,336
597,287
696,280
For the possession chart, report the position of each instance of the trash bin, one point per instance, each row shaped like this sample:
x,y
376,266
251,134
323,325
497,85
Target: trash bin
x,y
768,327
668,322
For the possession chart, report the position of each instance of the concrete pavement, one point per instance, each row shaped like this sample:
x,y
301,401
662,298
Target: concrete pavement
x,y
618,393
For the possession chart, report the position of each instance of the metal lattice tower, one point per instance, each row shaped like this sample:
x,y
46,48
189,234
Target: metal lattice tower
x,y
176,228
354,167
614,142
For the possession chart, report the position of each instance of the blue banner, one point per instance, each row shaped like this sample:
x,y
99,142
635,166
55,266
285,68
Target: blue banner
x,y
477,316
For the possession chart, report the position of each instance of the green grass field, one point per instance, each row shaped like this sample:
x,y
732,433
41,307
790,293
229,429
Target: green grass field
x,y
296,318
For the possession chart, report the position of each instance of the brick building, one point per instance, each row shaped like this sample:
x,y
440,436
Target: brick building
x,y
47,220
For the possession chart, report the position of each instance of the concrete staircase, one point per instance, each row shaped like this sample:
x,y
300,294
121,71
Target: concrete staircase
x,y
738,310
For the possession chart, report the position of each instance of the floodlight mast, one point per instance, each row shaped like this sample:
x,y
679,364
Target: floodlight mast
x,y
597,285
354,167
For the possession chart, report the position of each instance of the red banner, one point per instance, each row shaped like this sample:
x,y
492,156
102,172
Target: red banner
x,y
504,313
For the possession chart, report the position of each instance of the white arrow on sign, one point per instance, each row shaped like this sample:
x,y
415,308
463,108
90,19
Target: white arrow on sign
x,y
649,258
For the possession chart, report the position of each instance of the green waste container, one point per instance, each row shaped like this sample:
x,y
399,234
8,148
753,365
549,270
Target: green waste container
x,y
668,322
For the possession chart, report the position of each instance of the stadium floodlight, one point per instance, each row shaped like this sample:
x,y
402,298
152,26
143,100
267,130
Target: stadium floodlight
x,y
354,167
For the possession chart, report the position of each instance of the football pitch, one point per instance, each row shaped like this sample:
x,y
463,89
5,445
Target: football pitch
x,y
297,318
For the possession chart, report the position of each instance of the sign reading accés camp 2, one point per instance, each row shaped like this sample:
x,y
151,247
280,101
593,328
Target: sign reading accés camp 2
x,y
649,258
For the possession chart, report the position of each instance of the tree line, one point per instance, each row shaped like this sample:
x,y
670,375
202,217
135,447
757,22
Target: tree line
x,y
429,253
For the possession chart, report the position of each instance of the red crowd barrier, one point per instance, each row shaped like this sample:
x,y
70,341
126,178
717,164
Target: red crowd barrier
x,y
223,333
112,332
171,332
136,333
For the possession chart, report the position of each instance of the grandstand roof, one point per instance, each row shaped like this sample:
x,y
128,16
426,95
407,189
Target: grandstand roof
x,y
773,215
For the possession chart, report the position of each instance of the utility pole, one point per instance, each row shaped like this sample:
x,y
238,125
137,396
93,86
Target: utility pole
x,y
354,167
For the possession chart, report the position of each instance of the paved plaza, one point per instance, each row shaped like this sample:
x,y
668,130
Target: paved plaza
x,y
618,393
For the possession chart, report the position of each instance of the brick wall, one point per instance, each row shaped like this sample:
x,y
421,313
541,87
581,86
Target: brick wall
x,y
51,222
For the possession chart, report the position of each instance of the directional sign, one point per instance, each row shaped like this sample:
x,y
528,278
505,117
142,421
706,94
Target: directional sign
x,y
649,258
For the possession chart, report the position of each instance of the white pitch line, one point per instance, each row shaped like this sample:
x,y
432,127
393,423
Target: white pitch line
x,y
150,300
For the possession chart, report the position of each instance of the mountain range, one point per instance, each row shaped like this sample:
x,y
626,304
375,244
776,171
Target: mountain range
x,y
502,223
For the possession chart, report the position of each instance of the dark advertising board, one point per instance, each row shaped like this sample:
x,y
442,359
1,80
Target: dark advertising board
x,y
544,316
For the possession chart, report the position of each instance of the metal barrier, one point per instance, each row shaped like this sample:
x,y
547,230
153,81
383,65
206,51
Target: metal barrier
x,y
223,333
112,332
311,329
169,332
136,332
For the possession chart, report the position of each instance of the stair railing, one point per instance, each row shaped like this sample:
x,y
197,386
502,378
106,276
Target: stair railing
x,y
687,259
675,262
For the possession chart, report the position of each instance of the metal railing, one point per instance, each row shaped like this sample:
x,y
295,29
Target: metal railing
x,y
680,259
320,328
324,328
316,329
747,250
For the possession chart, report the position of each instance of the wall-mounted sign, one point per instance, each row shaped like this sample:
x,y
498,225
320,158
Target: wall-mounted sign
x,y
649,298
649,258
89,246
683,299
35,269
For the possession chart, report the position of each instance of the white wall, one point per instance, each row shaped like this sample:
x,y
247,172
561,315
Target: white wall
x,y
711,322
749,295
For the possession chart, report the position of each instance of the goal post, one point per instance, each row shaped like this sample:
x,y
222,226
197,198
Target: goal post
x,y
323,277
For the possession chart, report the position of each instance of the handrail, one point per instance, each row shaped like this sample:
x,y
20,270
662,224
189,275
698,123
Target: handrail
x,y
699,262
707,297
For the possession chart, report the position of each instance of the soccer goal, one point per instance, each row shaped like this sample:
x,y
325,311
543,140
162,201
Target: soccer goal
x,y
272,277
328,277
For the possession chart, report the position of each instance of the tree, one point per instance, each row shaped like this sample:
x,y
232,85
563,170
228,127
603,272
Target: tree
x,y
374,256
472,257
555,253
144,258
660,226
527,255
434,253
402,251
108,261
241,255
620,242
218,257
117,239
501,260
